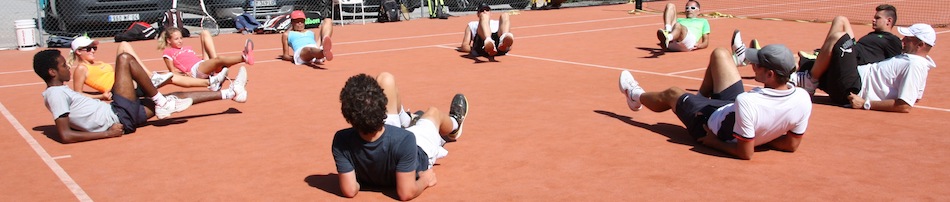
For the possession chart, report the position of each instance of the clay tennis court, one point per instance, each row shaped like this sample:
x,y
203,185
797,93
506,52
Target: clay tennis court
x,y
545,123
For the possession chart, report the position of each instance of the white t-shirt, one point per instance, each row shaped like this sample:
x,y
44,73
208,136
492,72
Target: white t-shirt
x,y
85,114
901,77
764,114
473,26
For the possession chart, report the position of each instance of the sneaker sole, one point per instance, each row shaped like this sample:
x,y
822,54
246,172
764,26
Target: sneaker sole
x,y
327,48
249,52
458,133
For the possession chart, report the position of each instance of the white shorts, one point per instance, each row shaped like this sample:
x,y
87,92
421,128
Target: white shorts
x,y
427,137
197,74
688,43
298,60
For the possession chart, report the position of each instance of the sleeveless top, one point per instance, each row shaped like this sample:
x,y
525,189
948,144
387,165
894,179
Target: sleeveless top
x,y
100,76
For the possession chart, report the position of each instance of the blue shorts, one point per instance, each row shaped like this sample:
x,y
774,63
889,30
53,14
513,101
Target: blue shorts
x,y
131,113
694,110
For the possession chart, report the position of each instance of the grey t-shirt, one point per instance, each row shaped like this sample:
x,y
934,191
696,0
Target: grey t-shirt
x,y
85,114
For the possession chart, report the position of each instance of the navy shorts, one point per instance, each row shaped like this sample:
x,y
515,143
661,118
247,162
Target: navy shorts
x,y
131,113
842,78
479,43
694,111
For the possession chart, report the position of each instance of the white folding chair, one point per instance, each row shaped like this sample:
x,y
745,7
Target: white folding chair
x,y
350,2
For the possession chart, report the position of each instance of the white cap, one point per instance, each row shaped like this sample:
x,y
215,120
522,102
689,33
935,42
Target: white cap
x,y
922,31
82,41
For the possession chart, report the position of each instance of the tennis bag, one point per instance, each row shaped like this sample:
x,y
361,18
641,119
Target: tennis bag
x,y
136,32
388,11
173,18
277,24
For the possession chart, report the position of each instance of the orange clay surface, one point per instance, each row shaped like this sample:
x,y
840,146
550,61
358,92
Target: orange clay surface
x,y
546,123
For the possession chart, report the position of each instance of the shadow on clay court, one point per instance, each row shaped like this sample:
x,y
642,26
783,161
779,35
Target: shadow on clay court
x,y
676,133
50,130
183,119
654,52
330,183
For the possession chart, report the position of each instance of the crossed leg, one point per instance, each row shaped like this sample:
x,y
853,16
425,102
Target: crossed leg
x,y
440,119
178,80
839,27
720,74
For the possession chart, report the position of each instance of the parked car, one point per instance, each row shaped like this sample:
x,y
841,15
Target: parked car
x,y
224,11
98,17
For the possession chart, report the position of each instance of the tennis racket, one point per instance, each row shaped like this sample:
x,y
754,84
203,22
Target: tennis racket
x,y
208,22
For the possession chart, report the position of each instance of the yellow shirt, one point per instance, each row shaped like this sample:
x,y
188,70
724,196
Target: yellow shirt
x,y
100,76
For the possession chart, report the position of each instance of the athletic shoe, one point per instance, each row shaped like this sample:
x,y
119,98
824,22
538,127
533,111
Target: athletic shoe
x,y
664,36
806,55
804,80
630,87
489,47
738,49
158,79
458,111
507,40
248,53
326,47
755,44
238,85
415,116
216,80
172,104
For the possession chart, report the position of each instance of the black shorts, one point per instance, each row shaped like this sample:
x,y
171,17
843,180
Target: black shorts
x,y
131,113
842,78
478,43
694,111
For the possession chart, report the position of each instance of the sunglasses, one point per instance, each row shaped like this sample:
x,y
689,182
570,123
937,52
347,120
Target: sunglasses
x,y
89,48
689,8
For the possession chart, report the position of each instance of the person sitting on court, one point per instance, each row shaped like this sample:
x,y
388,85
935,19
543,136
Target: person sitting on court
x,y
683,34
724,117
183,60
79,118
385,147
301,46
100,76
843,50
893,85
487,37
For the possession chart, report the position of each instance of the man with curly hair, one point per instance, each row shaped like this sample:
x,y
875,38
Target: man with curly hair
x,y
386,147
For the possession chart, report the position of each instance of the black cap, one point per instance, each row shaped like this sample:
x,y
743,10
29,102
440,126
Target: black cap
x,y
483,7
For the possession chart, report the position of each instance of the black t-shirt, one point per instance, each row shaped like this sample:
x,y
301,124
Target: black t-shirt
x,y
877,46
376,163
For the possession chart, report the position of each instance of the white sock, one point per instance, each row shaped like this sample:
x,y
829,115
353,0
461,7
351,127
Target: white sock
x,y
404,117
159,99
227,94
668,27
635,95
455,124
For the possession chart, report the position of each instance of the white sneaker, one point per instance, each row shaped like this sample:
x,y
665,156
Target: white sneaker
x,y
217,79
238,86
738,49
804,80
172,104
666,38
159,78
629,87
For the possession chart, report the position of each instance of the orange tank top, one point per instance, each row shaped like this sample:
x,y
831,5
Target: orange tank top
x,y
100,76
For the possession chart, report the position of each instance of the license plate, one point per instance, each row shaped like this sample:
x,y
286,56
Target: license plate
x,y
263,3
126,17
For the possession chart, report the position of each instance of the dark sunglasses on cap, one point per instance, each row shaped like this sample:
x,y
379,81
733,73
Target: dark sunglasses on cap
x,y
89,48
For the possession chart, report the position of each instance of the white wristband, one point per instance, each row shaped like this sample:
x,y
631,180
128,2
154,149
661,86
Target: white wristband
x,y
867,104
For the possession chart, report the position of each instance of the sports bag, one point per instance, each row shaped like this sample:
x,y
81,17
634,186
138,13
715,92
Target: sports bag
x,y
388,11
173,18
277,24
136,32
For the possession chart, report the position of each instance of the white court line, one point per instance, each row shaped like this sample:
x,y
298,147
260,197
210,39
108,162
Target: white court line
x,y
50,162
62,157
18,71
22,84
684,71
